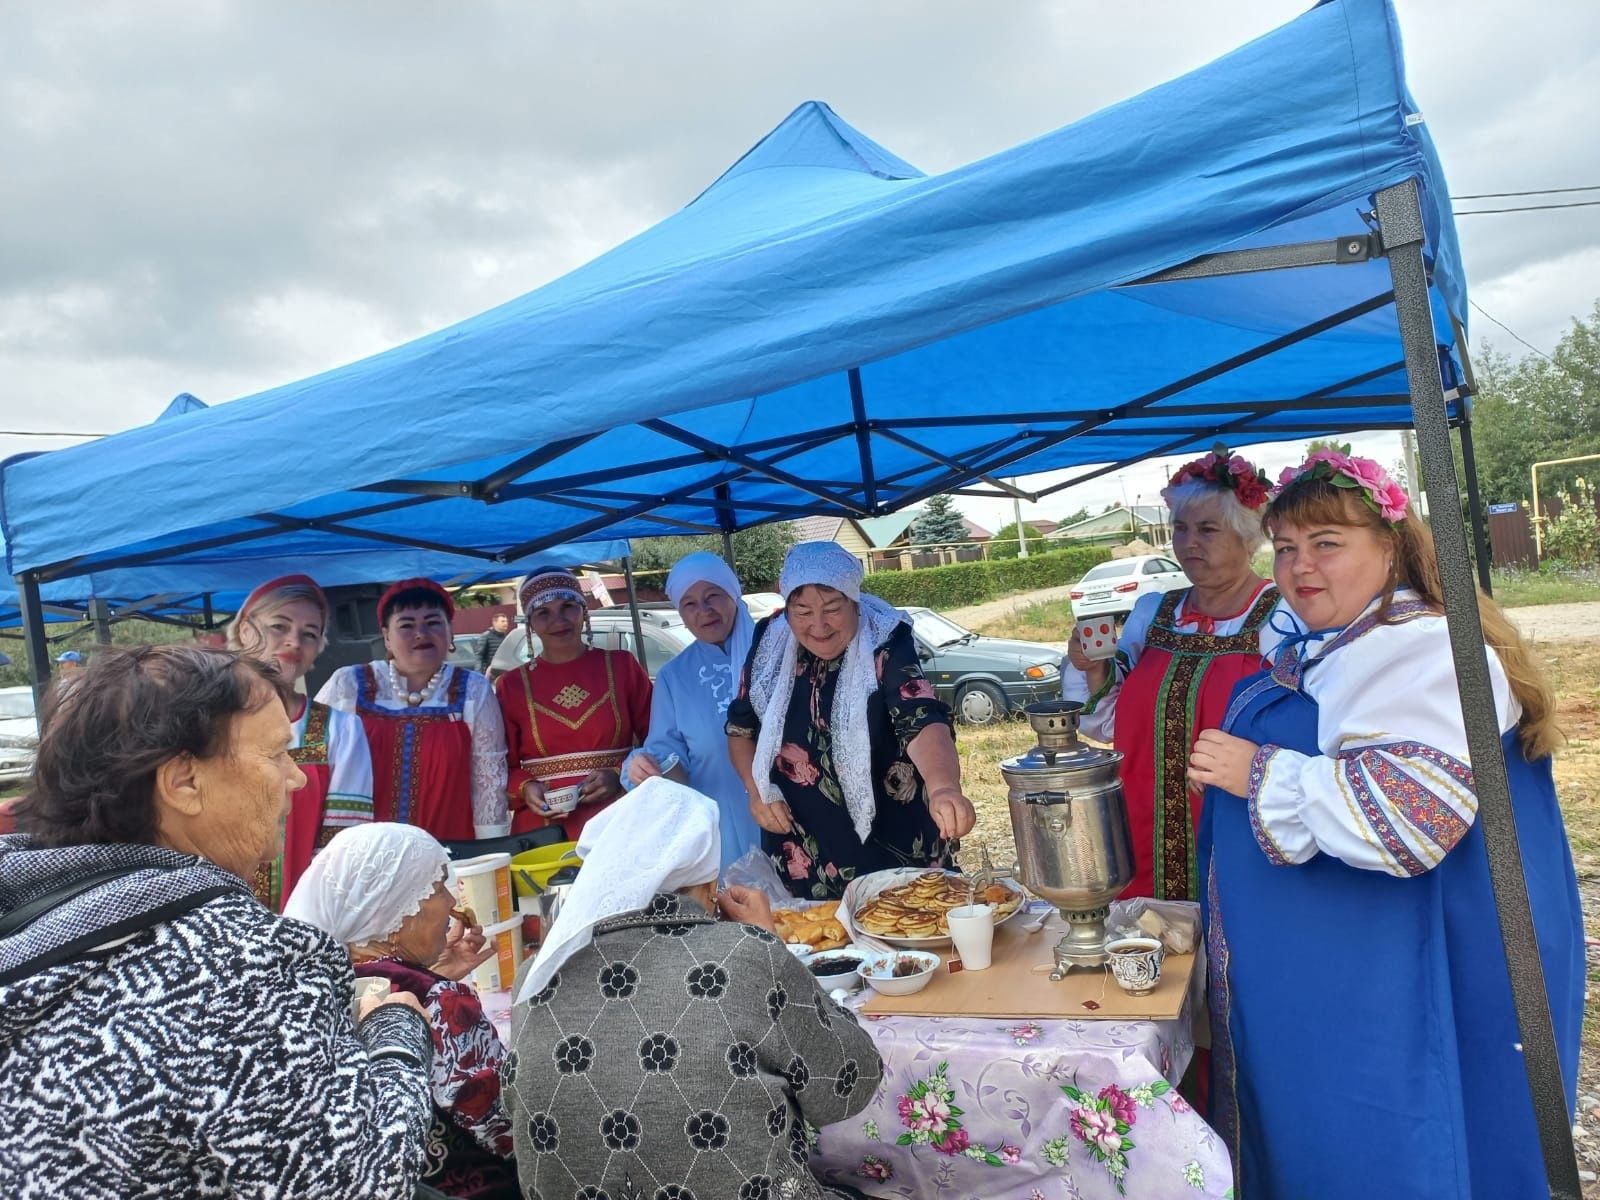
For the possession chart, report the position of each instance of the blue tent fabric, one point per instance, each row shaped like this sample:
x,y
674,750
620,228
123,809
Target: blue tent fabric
x,y
827,329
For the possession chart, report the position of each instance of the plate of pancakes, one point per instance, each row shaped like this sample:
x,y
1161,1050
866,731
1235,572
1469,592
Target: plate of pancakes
x,y
907,907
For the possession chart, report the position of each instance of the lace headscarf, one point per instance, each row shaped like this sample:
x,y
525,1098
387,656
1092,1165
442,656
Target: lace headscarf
x,y
773,673
705,567
660,837
366,881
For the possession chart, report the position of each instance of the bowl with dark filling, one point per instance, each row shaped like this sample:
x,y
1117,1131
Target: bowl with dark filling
x,y
836,968
900,973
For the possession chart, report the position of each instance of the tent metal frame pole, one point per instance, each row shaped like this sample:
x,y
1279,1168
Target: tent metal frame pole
x,y
1480,527
633,611
858,407
1340,251
205,610
728,519
100,618
1401,227
34,640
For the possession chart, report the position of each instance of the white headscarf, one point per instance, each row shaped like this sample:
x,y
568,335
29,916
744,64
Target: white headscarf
x,y
705,567
369,879
772,677
660,837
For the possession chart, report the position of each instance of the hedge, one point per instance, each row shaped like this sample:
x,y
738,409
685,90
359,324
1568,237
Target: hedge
x,y
962,584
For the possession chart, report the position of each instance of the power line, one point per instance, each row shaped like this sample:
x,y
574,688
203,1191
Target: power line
x,y
1510,330
1535,192
1478,212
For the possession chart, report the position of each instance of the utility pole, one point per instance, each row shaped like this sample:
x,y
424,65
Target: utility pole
x,y
1022,537
1408,447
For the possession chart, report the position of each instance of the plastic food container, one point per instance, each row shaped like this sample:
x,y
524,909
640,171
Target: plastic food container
x,y
483,884
531,870
497,973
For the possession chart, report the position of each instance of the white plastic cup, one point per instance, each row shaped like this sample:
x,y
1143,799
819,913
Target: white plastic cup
x,y
1098,637
972,931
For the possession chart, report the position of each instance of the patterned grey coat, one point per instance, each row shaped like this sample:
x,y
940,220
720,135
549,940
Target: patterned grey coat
x,y
680,1058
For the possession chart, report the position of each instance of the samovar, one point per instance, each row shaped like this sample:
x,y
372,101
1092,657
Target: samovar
x,y
1071,826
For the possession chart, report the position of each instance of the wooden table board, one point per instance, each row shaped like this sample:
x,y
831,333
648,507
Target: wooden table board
x,y
1017,984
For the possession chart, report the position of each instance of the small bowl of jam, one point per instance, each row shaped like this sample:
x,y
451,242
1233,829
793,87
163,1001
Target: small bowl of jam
x,y
901,973
837,968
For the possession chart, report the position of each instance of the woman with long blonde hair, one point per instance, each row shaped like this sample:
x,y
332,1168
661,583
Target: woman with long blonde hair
x,y
1360,997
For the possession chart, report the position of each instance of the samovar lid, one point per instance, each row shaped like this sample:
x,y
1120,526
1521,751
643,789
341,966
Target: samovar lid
x,y
1056,724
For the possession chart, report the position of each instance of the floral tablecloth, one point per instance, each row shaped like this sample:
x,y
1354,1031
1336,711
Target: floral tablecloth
x,y
975,1107
1027,1110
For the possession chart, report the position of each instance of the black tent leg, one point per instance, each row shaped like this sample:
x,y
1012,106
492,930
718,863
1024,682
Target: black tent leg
x,y
34,639
633,609
100,616
1400,222
1480,528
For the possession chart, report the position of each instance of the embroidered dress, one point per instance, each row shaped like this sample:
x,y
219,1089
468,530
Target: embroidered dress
x,y
565,720
1358,988
1171,678
468,1147
687,717
331,748
440,765
825,853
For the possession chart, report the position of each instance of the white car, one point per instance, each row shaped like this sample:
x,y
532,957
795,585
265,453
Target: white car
x,y
762,604
1112,587
19,733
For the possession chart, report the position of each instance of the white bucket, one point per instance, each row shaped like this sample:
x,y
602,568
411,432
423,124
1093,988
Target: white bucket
x,y
496,974
483,884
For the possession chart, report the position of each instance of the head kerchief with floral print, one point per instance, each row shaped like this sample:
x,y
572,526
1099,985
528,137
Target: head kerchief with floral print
x,y
1233,472
1337,466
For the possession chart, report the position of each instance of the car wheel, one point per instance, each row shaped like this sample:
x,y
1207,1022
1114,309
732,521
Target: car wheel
x,y
980,704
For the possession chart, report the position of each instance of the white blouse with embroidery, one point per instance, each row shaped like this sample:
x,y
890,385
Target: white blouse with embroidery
x,y
1391,789
1099,719
490,814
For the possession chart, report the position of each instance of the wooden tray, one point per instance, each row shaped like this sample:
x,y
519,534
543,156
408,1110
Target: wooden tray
x,y
1018,984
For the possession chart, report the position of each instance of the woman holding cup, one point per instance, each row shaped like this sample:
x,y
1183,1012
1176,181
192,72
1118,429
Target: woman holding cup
x,y
1177,661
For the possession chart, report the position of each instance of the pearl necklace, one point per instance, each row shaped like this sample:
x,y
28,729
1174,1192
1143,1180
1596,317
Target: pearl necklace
x,y
414,699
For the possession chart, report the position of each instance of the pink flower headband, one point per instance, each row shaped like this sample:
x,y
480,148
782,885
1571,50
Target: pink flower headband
x,y
1378,490
1232,472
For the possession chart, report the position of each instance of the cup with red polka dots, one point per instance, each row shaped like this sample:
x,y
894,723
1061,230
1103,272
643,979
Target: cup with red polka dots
x,y
1098,637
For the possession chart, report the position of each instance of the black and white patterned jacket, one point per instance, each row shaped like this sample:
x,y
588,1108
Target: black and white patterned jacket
x,y
213,1055
680,1058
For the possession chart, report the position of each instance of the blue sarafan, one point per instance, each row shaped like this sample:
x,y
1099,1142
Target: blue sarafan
x,y
827,329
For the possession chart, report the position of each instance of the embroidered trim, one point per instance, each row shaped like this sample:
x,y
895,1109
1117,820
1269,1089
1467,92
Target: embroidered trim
x,y
1292,664
313,747
1224,1066
403,763
1260,764
1372,812
1243,697
573,724
581,762
1423,809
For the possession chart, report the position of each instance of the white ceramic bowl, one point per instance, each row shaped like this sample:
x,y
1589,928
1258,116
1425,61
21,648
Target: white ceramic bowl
x,y
878,971
849,980
561,801
800,950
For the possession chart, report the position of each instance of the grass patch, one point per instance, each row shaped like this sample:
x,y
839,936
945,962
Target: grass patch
x,y
1550,584
1049,621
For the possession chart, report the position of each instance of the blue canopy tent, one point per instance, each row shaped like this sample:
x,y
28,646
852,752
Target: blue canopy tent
x,y
217,581
1261,249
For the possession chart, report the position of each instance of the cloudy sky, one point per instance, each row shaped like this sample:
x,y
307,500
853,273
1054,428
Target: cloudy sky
x,y
217,197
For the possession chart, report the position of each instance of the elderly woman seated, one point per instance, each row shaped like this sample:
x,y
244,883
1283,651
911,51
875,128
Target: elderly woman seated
x,y
383,890
660,1053
161,1033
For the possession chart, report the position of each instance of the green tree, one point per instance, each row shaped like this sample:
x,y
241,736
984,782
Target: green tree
x,y
939,524
1004,544
757,552
1533,409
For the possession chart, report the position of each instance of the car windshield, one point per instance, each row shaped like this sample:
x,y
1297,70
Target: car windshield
x,y
936,630
18,704
1108,570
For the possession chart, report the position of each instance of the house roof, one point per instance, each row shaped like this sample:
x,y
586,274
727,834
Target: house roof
x,y
1117,518
817,529
883,531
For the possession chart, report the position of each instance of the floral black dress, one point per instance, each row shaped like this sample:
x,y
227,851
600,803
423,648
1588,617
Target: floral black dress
x,y
824,853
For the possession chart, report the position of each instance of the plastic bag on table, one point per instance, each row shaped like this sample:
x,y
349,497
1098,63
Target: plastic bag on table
x,y
753,869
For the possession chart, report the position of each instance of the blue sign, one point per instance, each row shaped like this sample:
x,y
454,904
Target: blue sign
x,y
1496,509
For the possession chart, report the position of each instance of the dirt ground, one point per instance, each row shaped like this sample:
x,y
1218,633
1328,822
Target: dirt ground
x,y
1573,665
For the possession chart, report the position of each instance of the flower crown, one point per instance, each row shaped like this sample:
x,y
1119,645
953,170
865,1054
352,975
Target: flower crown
x,y
1224,469
1338,466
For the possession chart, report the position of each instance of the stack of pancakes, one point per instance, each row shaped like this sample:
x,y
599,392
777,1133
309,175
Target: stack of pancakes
x,y
917,909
